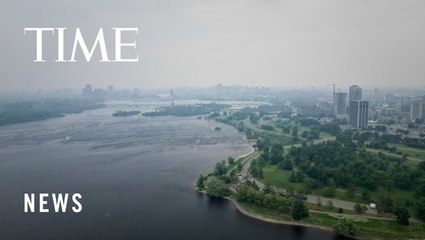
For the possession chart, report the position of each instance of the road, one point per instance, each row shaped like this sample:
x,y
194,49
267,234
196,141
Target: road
x,y
247,163
393,155
313,199
310,198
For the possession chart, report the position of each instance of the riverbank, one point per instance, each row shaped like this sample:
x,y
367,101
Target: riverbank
x,y
270,220
367,228
263,218
248,213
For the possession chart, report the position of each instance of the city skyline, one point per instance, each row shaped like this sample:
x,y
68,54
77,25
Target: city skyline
x,y
277,44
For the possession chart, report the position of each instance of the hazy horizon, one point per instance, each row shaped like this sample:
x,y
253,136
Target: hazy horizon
x,y
283,44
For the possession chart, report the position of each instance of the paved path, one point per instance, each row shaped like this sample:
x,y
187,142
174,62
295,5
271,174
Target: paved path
x,y
310,198
247,163
393,154
313,199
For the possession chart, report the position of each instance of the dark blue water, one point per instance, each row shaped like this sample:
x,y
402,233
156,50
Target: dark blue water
x,y
135,174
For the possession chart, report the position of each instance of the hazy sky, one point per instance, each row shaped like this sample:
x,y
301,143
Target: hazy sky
x,y
202,43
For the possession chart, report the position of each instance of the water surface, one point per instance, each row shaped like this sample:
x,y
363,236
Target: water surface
x,y
136,176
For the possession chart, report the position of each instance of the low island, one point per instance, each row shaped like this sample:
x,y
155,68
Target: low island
x,y
125,113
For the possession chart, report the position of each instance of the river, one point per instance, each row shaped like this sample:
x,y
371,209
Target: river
x,y
136,176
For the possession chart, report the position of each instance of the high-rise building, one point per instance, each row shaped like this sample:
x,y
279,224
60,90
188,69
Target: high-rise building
x,y
87,91
359,113
355,93
340,103
417,108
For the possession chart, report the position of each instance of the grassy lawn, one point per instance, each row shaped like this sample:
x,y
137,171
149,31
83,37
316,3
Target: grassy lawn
x,y
342,195
379,229
301,128
279,178
325,134
367,228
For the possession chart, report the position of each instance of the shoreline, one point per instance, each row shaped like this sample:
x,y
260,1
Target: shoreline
x,y
269,220
274,221
251,150
263,218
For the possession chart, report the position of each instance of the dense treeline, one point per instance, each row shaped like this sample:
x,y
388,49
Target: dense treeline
x,y
267,198
394,138
43,109
187,110
248,193
342,164
350,166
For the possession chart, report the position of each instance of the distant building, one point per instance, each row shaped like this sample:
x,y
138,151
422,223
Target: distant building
x,y
359,113
87,91
99,94
340,103
355,93
110,91
390,98
417,108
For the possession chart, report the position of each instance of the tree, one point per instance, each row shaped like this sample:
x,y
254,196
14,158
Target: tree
x,y
268,189
299,209
360,208
420,209
200,183
366,195
230,160
275,159
402,215
217,188
345,227
220,168
420,191
240,166
276,152
294,131
256,170
421,166
385,203
296,176
331,188
286,164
